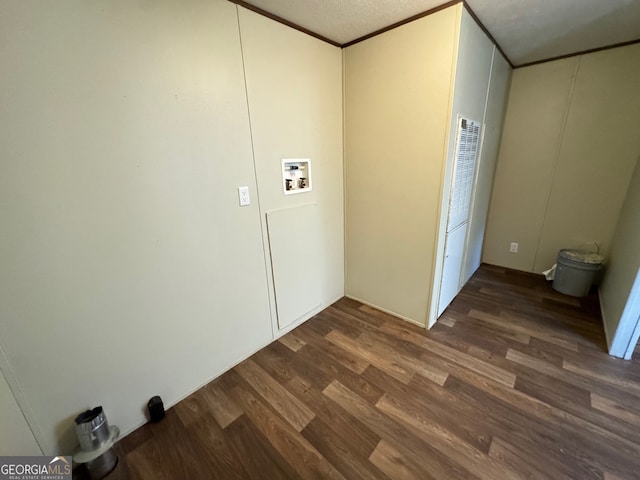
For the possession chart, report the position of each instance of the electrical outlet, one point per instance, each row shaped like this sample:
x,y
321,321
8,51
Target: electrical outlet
x,y
243,195
514,247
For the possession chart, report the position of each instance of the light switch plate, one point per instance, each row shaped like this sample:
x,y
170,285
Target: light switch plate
x,y
243,196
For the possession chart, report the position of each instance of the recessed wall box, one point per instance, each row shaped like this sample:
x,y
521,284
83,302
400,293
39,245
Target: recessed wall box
x,y
296,175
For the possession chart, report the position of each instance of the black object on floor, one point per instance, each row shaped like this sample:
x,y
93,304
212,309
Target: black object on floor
x,y
156,409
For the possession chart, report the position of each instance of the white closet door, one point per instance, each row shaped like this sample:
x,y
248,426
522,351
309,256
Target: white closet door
x,y
467,139
453,256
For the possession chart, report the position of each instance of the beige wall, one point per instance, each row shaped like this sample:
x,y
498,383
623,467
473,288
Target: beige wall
x,y
568,148
294,86
538,100
129,270
397,106
619,309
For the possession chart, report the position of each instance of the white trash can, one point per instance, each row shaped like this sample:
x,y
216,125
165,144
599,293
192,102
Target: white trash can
x,y
576,271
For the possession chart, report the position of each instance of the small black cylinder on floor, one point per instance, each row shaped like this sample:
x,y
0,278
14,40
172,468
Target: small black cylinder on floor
x,y
156,409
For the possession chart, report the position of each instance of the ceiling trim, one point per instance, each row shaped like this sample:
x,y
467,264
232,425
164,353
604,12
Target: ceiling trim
x,y
402,22
582,52
486,32
426,13
278,19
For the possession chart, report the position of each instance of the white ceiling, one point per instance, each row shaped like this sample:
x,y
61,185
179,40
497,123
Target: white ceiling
x,y
526,30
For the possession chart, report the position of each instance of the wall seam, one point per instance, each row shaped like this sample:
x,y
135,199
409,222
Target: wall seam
x,y
22,402
344,169
266,252
556,160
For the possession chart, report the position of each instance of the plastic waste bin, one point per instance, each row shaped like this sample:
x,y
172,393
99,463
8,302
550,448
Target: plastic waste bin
x,y
576,271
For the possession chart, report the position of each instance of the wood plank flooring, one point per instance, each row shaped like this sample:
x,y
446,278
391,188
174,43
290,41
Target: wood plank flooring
x,y
513,383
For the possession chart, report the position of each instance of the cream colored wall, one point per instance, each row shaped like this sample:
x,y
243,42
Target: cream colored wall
x,y
129,270
397,106
598,152
294,86
568,148
619,309
15,436
533,125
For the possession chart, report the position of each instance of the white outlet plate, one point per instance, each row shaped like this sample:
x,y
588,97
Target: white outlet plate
x,y
514,247
243,196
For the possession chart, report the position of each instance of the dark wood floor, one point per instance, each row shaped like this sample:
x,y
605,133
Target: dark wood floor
x,y
513,382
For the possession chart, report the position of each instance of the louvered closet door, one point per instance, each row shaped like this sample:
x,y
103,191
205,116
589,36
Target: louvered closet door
x,y
467,138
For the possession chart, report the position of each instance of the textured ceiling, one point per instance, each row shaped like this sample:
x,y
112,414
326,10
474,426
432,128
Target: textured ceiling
x,y
526,30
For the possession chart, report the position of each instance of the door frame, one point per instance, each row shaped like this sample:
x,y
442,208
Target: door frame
x,y
626,335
